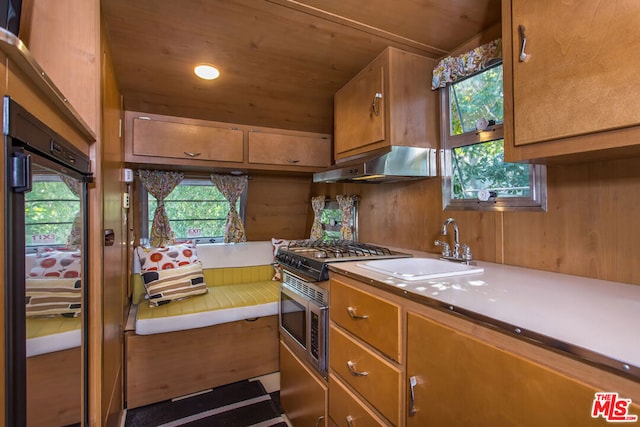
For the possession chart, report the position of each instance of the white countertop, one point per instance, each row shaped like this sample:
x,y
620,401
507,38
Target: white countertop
x,y
600,316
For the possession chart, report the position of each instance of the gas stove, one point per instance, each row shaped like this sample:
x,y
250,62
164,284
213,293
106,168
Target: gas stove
x,y
310,259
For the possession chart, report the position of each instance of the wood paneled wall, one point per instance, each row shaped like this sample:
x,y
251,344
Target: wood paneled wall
x,y
277,207
591,227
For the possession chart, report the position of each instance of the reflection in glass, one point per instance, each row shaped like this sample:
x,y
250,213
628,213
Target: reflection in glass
x,y
53,267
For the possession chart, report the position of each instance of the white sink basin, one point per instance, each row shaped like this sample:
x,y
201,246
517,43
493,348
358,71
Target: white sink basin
x,y
419,268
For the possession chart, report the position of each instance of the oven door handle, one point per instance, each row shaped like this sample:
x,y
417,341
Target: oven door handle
x,y
353,315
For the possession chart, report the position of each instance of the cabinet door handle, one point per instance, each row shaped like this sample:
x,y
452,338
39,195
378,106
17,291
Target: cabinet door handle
x,y
375,103
412,402
293,161
354,371
523,43
190,154
349,420
352,313
319,420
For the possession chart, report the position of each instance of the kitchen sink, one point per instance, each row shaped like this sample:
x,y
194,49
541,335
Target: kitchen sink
x,y
419,268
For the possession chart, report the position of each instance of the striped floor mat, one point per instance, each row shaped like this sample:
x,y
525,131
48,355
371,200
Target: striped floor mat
x,y
241,404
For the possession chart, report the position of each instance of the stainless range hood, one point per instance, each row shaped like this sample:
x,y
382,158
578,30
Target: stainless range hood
x,y
399,164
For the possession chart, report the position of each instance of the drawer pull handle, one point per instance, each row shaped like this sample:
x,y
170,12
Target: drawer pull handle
x,y
412,405
319,420
349,420
191,154
375,104
354,372
352,313
293,161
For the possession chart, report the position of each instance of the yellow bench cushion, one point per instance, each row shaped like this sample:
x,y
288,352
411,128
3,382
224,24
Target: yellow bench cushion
x,y
222,304
214,277
49,334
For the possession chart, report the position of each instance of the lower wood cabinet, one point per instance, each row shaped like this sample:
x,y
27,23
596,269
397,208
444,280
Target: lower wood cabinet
x,y
303,396
347,410
461,380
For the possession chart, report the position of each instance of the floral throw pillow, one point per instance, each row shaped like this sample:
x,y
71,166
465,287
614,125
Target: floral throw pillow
x,y
53,297
277,244
167,257
174,284
56,264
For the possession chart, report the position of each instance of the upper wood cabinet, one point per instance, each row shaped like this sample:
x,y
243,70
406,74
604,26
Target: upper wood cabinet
x,y
570,91
152,139
278,148
186,141
388,103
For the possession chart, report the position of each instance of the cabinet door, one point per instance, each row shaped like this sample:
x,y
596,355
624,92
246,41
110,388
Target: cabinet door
x,y
289,150
360,110
303,396
463,381
186,141
578,77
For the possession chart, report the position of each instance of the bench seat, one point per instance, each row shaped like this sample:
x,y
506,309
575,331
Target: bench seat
x,y
222,304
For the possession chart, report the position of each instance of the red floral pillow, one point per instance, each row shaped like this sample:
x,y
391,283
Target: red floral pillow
x,y
166,257
56,264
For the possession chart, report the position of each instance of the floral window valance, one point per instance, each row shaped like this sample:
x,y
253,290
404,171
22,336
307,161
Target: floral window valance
x,y
453,68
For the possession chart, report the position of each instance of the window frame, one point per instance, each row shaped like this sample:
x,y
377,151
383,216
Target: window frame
x,y
535,202
144,212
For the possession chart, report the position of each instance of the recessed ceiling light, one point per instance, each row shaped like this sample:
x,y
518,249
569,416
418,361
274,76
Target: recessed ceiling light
x,y
206,72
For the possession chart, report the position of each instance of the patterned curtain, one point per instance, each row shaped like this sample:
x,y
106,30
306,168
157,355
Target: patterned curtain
x,y
453,68
317,204
160,184
75,186
232,188
346,208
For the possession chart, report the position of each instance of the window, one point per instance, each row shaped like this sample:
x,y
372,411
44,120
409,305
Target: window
x,y
50,209
196,209
332,220
476,177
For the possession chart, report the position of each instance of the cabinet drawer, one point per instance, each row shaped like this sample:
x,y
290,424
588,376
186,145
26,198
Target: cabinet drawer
x,y
289,150
186,141
345,405
376,379
381,326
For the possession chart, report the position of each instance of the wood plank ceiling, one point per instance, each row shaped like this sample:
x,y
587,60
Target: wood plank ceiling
x,y
281,61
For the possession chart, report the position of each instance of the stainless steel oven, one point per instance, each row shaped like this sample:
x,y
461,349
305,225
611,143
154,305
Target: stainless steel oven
x,y
303,316
304,296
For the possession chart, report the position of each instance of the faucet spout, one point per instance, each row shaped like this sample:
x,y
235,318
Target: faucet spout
x,y
461,251
456,231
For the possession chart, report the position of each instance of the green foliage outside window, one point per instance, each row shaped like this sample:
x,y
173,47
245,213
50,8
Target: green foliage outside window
x,y
474,98
50,208
195,211
481,165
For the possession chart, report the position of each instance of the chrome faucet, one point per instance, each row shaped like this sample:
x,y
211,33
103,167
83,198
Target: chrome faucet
x,y
461,251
